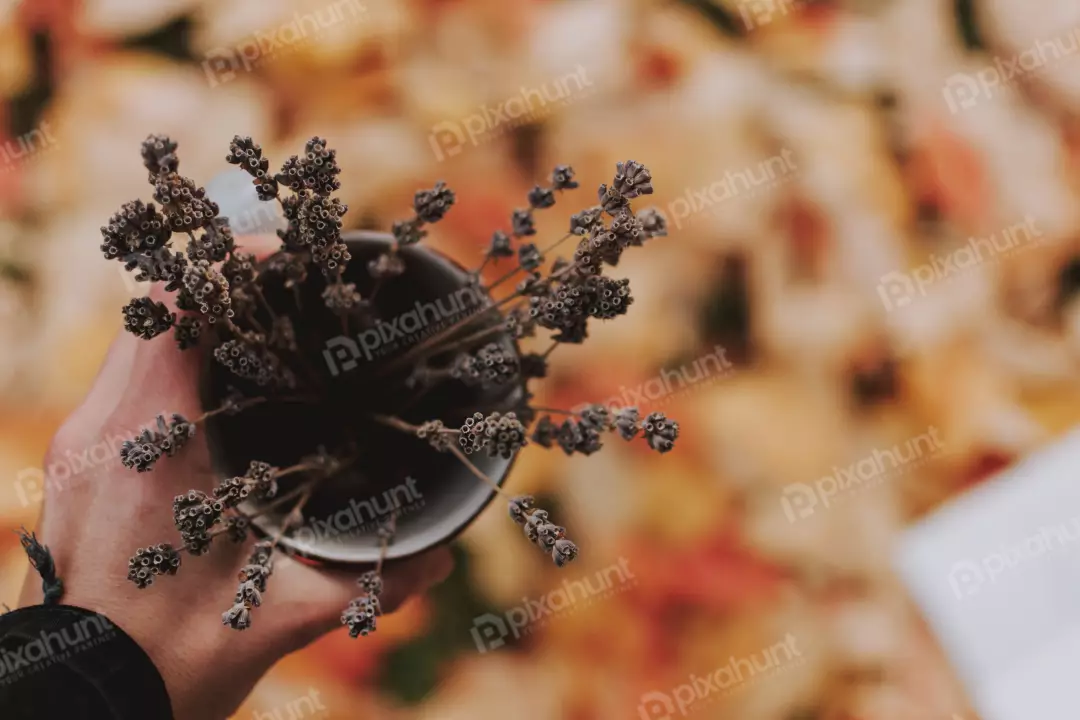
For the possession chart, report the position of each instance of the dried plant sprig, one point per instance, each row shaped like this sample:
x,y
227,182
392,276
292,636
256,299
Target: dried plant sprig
x,y
548,537
200,517
247,154
146,318
150,562
151,444
166,439
438,436
501,434
253,577
581,432
360,614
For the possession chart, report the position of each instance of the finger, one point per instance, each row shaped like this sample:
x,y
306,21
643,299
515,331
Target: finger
x,y
312,599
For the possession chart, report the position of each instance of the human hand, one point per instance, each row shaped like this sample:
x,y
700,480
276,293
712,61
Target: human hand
x,y
95,520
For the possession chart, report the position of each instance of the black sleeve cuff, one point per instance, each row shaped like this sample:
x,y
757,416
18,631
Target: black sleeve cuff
x,y
61,661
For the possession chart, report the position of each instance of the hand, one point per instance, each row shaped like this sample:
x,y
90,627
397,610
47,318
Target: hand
x,y
94,520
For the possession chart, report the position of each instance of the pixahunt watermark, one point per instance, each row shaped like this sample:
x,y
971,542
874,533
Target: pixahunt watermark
x,y
671,383
305,706
800,500
968,577
343,354
26,146
362,517
899,289
756,13
774,171
222,64
530,105
67,471
736,674
20,661
489,631
963,91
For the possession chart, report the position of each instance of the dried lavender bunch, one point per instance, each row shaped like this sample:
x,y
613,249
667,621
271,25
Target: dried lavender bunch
x,y
224,303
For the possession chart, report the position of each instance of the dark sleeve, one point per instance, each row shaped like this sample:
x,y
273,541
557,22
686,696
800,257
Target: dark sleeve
x,y
61,661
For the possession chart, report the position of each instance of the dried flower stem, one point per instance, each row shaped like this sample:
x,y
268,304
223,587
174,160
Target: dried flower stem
x,y
304,490
295,515
242,405
385,542
396,423
475,470
262,300
519,268
439,337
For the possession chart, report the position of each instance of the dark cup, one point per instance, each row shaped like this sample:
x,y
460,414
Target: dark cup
x,y
432,494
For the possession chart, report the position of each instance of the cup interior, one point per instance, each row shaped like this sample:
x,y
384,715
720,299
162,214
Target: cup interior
x,y
432,495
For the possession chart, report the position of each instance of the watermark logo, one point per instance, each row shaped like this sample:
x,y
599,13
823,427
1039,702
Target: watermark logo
x,y
800,500
756,13
670,383
968,577
769,173
343,354
963,91
899,289
736,674
25,146
305,706
448,138
361,517
489,631
222,65
67,471
16,663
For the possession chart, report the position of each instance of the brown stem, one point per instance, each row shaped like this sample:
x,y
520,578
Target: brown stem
x,y
278,502
396,423
299,467
475,470
494,330
242,405
385,543
265,304
375,290
519,268
438,337
551,349
250,317
487,259
295,515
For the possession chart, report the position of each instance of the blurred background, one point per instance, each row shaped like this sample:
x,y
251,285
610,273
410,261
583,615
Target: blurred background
x,y
866,304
